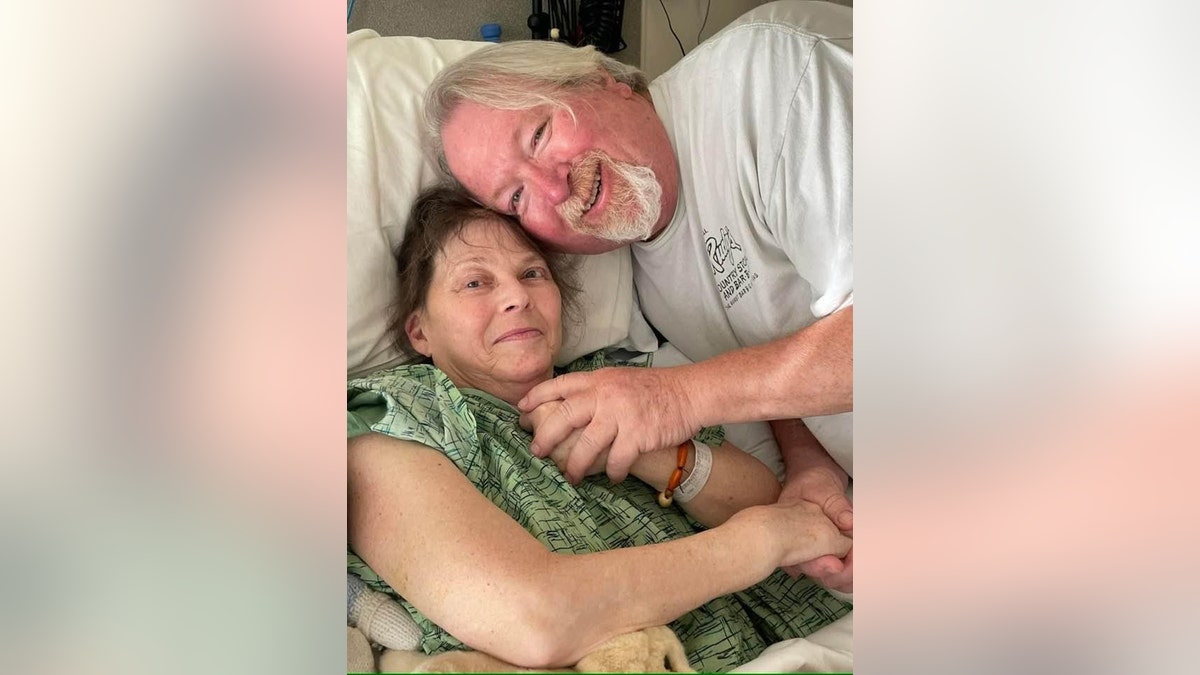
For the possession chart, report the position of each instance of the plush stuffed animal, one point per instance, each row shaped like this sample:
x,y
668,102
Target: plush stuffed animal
x,y
360,657
650,650
381,619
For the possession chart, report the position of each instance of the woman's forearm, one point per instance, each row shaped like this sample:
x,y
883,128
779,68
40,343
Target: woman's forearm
x,y
588,599
737,480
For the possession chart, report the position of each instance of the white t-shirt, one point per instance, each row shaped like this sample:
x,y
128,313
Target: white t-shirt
x,y
761,244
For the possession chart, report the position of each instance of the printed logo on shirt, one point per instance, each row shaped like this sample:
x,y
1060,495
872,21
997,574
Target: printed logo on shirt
x,y
730,266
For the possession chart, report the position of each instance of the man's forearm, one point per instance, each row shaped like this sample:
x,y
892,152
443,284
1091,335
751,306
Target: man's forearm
x,y
803,455
810,372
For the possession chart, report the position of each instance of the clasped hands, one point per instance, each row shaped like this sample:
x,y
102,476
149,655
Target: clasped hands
x,y
604,420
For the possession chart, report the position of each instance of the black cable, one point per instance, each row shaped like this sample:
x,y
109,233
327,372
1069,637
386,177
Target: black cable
x,y
573,20
672,28
703,23
560,18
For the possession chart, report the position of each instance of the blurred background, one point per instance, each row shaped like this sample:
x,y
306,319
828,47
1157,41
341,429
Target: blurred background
x,y
1028,309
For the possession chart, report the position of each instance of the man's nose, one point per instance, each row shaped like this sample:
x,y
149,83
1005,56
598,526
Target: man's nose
x,y
551,181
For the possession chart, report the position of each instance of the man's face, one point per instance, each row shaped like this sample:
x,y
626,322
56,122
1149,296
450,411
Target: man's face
x,y
587,185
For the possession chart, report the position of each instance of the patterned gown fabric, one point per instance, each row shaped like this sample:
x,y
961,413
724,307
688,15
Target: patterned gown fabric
x,y
481,436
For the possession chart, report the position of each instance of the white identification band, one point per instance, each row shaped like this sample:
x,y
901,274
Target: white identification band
x,y
698,478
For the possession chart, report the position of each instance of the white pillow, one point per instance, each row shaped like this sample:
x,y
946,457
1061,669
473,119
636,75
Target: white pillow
x,y
387,165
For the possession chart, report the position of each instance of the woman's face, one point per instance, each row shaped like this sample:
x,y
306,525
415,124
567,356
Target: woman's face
x,y
491,316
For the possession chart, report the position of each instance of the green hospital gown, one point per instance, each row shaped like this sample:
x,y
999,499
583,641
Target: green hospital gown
x,y
481,436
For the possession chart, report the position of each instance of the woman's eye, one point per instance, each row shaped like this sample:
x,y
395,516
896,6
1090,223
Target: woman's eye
x,y
536,273
516,198
537,135
474,283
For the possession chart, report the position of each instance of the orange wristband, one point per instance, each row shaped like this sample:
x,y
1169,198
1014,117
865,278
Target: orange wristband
x,y
667,496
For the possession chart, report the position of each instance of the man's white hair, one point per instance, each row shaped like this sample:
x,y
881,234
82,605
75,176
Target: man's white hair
x,y
519,75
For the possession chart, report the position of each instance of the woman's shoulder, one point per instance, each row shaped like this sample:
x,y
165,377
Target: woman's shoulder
x,y
419,373
416,402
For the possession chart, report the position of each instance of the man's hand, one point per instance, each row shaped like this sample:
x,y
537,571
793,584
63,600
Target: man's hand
x,y
532,420
621,411
828,491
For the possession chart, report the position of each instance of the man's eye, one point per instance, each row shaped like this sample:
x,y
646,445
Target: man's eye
x,y
516,198
474,283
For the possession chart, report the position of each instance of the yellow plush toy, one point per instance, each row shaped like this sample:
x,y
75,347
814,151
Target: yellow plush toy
x,y
650,650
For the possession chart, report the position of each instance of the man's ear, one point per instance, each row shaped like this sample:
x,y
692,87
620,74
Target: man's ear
x,y
416,334
611,85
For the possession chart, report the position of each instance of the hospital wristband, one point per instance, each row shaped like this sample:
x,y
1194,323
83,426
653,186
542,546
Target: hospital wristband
x,y
698,478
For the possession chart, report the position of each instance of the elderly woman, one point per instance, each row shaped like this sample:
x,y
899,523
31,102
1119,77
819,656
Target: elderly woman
x,y
491,547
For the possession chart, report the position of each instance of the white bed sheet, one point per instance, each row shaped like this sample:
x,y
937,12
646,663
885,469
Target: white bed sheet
x,y
829,650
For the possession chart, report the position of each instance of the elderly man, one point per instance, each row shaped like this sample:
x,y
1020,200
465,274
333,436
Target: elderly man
x,y
731,176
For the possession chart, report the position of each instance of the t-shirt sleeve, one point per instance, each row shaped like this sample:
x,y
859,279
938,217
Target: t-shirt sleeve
x,y
808,191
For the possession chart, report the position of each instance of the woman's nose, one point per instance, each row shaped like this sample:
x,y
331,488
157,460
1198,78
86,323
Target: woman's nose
x,y
514,296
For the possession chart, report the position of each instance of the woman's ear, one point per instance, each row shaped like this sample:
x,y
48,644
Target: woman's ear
x,y
416,334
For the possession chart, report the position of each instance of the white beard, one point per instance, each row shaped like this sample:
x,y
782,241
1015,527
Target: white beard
x,y
634,197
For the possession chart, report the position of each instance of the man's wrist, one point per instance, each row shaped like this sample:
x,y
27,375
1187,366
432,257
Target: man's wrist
x,y
692,396
802,481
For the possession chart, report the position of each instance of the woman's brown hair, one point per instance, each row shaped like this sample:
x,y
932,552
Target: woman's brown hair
x,y
439,214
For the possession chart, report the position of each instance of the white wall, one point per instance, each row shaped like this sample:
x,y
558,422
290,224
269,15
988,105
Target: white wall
x,y
461,19
660,51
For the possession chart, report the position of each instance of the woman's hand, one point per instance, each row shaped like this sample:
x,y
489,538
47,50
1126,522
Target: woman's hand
x,y
828,491
799,531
